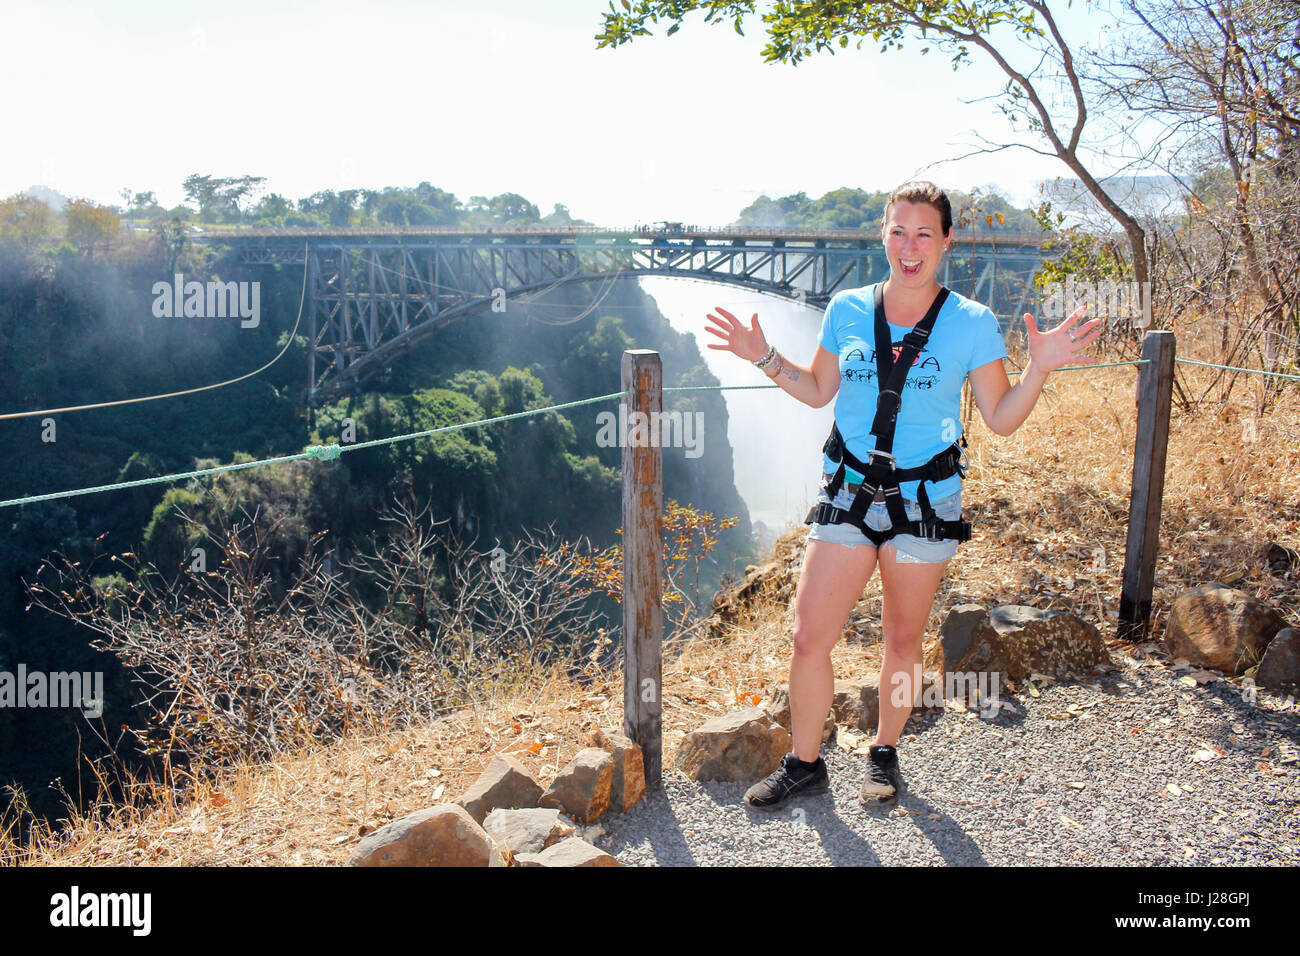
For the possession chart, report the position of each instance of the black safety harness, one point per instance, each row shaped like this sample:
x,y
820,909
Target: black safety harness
x,y
880,471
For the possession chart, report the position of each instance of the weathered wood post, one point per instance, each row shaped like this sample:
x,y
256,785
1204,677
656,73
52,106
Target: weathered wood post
x,y
1155,391
643,505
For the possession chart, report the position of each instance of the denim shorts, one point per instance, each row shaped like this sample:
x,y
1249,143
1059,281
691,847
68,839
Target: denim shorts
x,y
908,548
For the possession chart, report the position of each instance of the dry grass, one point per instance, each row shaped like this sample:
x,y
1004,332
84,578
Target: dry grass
x,y
1050,509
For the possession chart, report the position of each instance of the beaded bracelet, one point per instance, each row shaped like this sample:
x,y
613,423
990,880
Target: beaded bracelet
x,y
766,360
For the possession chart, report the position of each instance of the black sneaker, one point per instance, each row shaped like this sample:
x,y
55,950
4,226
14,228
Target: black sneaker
x,y
881,783
788,781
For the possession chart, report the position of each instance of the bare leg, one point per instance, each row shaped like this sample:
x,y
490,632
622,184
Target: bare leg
x,y
832,581
909,591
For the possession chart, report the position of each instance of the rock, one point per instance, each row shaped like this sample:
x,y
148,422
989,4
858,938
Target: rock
x,y
745,745
857,703
777,706
970,642
1055,643
1280,667
628,783
526,830
570,852
582,787
444,835
506,783
1015,641
1221,628
1281,560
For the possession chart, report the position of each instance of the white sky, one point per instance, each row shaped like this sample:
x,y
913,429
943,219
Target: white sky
x,y
478,99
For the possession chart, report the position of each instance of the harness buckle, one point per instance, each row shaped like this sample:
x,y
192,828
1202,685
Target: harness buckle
x,y
933,527
893,462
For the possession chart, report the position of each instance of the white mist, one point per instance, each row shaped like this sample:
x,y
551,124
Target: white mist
x,y
776,440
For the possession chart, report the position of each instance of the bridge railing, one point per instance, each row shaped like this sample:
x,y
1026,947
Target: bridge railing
x,y
688,232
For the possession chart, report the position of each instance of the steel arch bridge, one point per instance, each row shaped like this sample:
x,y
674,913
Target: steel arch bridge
x,y
375,293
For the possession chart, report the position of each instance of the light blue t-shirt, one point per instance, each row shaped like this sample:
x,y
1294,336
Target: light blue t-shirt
x,y
965,336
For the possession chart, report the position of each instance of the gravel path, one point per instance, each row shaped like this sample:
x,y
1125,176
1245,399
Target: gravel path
x,y
1033,785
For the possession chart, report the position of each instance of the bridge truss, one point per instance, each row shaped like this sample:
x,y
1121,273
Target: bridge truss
x,y
374,295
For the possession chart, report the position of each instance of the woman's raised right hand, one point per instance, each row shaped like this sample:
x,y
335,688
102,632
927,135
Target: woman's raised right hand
x,y
749,343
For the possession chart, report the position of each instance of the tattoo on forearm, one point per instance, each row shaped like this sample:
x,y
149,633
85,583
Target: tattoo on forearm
x,y
792,373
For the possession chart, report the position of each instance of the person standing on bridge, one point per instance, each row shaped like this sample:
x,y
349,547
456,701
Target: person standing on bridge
x,y
888,444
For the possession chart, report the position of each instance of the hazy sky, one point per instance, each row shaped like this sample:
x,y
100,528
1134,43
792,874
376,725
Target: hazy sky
x,y
477,98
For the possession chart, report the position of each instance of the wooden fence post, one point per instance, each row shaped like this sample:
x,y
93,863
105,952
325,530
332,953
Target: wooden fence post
x,y
1155,390
643,505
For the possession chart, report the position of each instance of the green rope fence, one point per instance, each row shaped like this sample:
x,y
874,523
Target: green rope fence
x,y
1233,368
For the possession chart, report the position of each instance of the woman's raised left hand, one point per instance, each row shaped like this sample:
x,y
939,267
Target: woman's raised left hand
x,y
1062,345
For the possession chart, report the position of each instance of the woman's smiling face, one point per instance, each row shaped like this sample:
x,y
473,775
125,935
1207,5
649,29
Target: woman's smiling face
x,y
914,242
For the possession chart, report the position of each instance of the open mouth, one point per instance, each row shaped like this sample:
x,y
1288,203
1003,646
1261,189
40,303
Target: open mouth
x,y
910,267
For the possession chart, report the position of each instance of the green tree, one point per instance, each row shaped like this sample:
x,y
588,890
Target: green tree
x,y
26,222
204,192
272,208
336,208
239,188
169,234
505,209
91,226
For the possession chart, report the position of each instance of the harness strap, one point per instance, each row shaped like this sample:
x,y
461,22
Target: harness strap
x,y
943,465
892,372
936,530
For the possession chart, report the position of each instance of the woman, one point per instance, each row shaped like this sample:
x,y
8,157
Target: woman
x,y
841,556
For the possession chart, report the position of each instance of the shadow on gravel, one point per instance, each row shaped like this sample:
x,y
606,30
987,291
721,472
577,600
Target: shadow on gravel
x,y
942,830
661,828
1009,713
843,845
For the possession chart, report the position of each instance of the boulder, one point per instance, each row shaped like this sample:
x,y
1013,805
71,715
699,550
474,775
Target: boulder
x,y
526,830
1281,560
1016,641
570,852
745,745
1279,669
444,835
505,783
927,693
970,642
1055,643
582,788
777,706
628,783
1221,628
857,703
